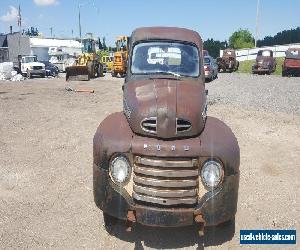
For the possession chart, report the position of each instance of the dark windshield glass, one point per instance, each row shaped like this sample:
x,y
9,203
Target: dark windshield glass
x,y
206,60
293,53
165,57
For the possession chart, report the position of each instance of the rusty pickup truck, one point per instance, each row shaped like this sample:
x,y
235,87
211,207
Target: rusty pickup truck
x,y
162,161
291,64
228,61
265,63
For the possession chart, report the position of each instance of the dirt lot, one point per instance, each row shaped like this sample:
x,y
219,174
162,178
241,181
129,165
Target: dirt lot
x,y
46,162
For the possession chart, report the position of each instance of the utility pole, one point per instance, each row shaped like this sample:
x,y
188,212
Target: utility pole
x,y
51,31
79,21
257,22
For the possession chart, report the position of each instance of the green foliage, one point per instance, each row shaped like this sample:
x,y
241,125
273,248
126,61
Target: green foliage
x,y
213,47
246,66
103,53
104,43
283,37
241,39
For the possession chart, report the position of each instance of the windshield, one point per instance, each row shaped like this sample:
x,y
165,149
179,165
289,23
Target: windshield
x,y
88,46
30,59
265,53
293,53
165,58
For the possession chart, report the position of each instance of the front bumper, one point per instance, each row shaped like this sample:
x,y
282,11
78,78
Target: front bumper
x,y
260,69
215,206
37,72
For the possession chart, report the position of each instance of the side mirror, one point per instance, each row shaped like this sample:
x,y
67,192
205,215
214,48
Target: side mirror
x,y
122,87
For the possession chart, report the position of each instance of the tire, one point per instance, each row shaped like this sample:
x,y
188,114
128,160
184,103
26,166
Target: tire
x,y
100,70
43,75
220,233
111,222
91,69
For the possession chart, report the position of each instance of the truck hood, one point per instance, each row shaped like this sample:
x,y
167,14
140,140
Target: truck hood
x,y
36,64
165,108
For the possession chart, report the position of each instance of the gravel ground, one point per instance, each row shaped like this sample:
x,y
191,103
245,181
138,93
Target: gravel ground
x,y
259,92
46,163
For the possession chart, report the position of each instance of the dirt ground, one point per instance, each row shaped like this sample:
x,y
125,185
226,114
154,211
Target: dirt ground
x,y
46,169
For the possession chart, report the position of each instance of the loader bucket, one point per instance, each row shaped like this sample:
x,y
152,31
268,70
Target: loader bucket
x,y
77,73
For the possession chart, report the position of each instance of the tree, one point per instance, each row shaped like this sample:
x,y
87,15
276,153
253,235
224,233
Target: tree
x,y
283,37
213,47
104,43
32,32
241,39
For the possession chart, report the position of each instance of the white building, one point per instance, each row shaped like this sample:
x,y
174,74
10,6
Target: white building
x,y
41,46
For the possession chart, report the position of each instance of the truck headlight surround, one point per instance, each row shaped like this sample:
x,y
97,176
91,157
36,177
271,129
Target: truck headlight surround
x,y
212,173
119,170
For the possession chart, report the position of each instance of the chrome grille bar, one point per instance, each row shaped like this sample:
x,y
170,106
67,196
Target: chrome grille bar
x,y
165,181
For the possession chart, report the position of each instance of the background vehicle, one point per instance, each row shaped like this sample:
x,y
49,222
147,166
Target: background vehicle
x,y
87,64
148,165
31,66
107,62
120,57
228,61
265,63
51,69
210,68
291,64
60,58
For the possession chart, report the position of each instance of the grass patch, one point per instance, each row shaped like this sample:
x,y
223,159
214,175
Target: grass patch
x,y
246,66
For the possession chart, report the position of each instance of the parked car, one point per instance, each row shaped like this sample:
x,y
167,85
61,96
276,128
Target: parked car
x,y
162,162
265,62
291,64
228,61
210,68
51,69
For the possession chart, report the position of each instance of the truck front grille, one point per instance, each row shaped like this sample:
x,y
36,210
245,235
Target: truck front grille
x,y
37,67
149,125
165,182
182,125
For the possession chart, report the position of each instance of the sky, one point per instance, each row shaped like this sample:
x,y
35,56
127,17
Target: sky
x,y
216,19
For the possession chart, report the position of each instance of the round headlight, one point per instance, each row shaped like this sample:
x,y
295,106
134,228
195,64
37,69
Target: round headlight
x,y
212,173
119,170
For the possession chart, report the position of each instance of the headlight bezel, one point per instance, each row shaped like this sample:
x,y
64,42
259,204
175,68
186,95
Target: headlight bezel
x,y
220,165
114,158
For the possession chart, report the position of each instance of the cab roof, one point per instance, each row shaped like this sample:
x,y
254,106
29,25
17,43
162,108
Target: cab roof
x,y
168,33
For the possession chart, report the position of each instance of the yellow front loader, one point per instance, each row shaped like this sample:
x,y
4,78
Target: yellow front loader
x,y
88,64
120,57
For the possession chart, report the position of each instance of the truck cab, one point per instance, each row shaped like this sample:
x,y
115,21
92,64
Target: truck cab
x,y
162,161
31,66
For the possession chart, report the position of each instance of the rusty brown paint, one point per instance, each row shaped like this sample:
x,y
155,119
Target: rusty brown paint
x,y
264,64
291,63
228,61
165,101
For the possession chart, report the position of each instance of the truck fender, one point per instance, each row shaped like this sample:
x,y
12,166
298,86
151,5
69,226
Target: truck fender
x,y
218,141
112,136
